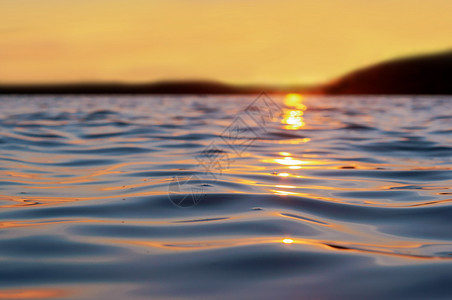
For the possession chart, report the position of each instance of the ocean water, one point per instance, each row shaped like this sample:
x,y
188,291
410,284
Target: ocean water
x,y
225,197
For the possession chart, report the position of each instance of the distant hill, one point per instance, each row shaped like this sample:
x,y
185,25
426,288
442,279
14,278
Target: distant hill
x,y
164,87
420,75
170,87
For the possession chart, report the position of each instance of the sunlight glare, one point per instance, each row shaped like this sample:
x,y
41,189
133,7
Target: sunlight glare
x,y
289,161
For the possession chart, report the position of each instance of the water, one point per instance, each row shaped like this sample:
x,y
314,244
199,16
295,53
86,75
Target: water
x,y
141,198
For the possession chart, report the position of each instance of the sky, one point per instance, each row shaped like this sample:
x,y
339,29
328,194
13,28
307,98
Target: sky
x,y
234,41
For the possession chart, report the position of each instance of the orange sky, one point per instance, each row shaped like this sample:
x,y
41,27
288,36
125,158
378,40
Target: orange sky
x,y
236,41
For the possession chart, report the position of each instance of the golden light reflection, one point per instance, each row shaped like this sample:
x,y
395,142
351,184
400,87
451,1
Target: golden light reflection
x,y
386,247
293,118
293,141
283,193
289,161
286,186
294,100
283,174
294,167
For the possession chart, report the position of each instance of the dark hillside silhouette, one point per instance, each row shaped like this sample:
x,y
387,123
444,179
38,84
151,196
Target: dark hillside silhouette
x,y
420,75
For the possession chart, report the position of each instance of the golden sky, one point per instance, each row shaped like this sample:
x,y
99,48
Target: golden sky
x,y
236,41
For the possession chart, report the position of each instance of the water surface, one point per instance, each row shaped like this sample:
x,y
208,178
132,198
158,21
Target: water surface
x,y
194,198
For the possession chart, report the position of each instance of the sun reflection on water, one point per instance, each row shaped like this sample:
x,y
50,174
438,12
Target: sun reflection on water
x,y
290,161
294,100
293,117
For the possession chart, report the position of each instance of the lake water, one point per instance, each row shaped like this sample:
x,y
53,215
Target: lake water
x,y
231,197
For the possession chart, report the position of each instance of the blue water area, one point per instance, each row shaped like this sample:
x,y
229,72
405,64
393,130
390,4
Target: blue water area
x,y
225,197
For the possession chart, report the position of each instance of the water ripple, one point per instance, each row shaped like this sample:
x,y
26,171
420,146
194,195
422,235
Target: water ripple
x,y
352,193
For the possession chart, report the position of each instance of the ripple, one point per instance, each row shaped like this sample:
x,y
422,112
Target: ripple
x,y
356,197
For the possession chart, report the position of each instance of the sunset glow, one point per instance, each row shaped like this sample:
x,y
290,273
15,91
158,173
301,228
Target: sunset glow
x,y
225,149
277,42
